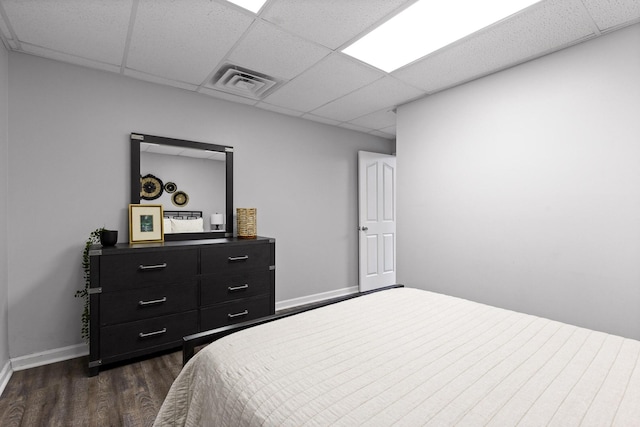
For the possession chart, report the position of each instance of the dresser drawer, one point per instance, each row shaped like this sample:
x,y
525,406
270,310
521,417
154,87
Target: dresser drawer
x,y
133,270
143,303
217,289
225,259
146,334
237,311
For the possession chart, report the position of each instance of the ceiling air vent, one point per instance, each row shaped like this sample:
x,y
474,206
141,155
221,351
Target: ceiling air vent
x,y
243,82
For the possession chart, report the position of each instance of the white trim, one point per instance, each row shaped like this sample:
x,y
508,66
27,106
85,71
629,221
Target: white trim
x,y
5,376
49,356
79,350
315,298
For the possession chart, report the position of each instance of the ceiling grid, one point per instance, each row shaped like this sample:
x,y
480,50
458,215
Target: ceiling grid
x,y
295,43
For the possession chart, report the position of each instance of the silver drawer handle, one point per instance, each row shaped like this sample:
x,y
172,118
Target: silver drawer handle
x,y
150,334
238,288
152,267
155,301
244,313
238,258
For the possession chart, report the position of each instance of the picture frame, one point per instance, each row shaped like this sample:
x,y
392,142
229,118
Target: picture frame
x,y
146,223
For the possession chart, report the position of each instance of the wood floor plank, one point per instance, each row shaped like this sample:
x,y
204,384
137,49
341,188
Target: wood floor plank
x,y
61,394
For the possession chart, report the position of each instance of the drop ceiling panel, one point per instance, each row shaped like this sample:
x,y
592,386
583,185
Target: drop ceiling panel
x,y
160,80
270,50
278,109
330,22
297,42
331,78
613,13
386,92
200,154
4,29
540,29
227,96
183,43
354,127
71,59
321,119
383,134
162,149
91,29
378,120
391,130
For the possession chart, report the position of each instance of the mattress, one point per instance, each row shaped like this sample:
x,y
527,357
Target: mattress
x,y
409,357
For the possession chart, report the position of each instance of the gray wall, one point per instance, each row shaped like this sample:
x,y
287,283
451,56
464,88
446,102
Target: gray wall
x,y
4,134
69,174
522,189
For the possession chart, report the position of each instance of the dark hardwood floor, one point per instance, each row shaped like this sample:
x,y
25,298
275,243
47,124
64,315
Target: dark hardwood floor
x,y
61,394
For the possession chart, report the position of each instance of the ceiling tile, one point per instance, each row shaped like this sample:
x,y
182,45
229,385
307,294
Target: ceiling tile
x,y
280,110
269,50
378,120
70,59
227,96
321,119
160,80
4,29
383,93
329,22
184,43
391,130
613,13
92,29
538,30
384,134
331,78
354,127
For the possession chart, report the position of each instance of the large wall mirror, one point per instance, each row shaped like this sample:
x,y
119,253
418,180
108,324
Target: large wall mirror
x,y
193,181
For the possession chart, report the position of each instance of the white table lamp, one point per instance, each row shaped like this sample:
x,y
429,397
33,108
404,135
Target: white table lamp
x,y
217,220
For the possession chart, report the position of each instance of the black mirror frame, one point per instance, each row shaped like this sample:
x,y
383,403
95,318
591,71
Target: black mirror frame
x,y
137,138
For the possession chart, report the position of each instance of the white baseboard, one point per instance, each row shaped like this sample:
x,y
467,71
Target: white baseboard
x,y
315,298
79,350
49,356
5,376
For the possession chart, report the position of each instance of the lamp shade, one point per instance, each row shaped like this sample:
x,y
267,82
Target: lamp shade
x,y
217,219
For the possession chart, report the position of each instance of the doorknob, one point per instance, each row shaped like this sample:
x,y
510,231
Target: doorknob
x,y
363,228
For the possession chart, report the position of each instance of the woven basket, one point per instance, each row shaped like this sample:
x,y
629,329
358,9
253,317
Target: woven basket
x,y
247,223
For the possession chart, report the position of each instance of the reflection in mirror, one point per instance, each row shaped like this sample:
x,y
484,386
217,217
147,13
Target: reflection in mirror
x,y
191,179
193,182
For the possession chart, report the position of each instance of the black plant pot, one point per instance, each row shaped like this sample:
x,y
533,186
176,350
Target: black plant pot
x,y
108,237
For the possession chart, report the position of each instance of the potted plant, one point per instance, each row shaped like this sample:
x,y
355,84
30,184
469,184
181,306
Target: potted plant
x,y
106,238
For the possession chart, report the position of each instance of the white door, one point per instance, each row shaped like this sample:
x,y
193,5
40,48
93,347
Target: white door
x,y
377,216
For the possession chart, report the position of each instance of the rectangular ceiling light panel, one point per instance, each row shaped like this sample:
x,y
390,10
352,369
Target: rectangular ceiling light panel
x,y
252,5
427,26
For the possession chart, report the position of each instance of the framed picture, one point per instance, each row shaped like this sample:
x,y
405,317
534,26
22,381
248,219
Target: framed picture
x,y
145,223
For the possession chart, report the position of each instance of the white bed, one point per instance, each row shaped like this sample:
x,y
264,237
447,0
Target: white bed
x,y
409,357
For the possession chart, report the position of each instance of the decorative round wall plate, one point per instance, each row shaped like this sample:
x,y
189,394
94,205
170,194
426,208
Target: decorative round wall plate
x,y
180,198
150,187
170,187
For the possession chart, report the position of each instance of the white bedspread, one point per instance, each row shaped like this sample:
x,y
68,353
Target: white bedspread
x,y
409,357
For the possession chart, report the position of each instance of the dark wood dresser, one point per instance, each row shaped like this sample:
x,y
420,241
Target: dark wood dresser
x,y
145,297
